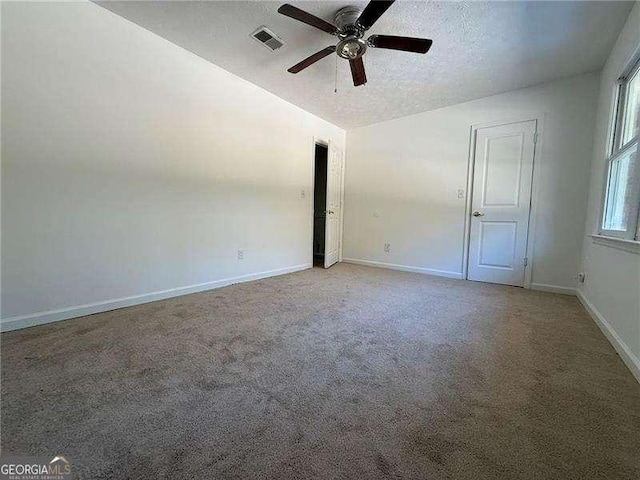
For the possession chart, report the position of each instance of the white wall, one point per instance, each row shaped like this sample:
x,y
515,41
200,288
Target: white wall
x,y
408,171
131,166
612,287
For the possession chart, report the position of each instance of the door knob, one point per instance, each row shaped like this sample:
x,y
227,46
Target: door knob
x,y
478,214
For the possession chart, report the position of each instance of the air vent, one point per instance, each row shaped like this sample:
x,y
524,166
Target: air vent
x,y
267,38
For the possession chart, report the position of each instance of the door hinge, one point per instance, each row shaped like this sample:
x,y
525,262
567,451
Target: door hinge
x,y
535,137
526,261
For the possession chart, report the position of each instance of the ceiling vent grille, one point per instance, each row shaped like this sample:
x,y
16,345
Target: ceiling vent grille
x,y
267,38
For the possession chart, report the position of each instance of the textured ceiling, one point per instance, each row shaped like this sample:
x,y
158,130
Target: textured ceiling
x,y
480,49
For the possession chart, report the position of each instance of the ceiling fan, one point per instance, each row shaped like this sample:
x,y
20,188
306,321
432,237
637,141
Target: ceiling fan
x,y
350,27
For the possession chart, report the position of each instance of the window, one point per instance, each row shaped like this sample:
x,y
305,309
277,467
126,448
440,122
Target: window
x,y
622,194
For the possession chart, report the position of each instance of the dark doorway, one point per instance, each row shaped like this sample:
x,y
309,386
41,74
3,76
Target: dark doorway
x,y
319,204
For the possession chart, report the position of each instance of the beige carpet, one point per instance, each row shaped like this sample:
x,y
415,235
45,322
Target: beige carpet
x,y
353,372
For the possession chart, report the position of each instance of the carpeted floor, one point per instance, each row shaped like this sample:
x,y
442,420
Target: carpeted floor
x,y
354,372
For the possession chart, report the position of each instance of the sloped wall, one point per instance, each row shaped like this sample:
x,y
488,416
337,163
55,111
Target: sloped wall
x,y
133,169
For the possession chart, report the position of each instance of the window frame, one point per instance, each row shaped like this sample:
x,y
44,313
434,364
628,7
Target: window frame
x,y
615,151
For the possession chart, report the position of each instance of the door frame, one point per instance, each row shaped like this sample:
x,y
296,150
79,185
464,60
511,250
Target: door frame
x,y
315,140
535,189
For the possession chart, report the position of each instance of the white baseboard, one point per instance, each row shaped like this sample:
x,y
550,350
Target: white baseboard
x,y
31,320
404,268
543,287
627,356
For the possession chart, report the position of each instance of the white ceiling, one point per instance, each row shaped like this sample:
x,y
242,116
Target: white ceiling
x,y
479,49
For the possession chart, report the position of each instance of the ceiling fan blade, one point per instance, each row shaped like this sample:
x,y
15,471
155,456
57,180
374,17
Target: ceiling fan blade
x,y
372,12
311,60
304,17
406,44
357,72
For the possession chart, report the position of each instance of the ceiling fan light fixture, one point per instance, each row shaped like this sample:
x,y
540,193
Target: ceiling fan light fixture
x,y
351,48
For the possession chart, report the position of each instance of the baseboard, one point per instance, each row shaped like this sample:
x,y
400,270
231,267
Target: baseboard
x,y
404,268
31,320
627,356
543,287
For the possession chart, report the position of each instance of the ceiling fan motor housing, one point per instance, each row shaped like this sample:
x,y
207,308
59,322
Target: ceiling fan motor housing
x,y
345,19
351,45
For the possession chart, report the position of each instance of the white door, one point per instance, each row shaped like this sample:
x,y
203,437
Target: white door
x,y
502,175
332,218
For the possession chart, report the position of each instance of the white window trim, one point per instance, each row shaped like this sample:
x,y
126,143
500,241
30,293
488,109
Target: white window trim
x,y
631,246
629,240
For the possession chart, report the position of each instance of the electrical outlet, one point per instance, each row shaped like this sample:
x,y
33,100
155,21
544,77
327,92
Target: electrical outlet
x,y
461,193
303,194
240,254
387,247
582,277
